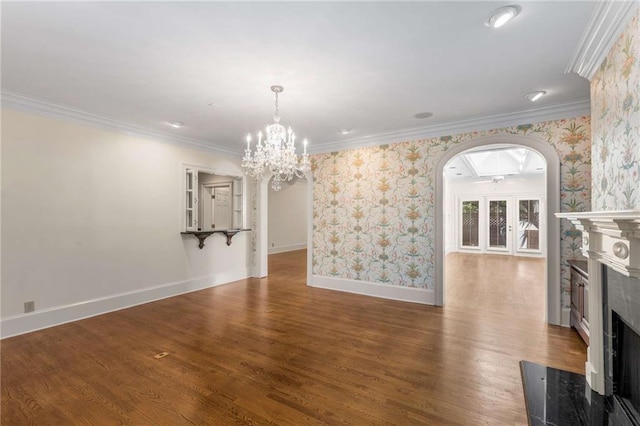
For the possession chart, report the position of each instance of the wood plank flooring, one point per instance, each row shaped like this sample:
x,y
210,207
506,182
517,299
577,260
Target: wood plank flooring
x,y
274,351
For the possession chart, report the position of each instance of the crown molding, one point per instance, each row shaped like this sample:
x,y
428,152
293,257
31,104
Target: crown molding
x,y
51,110
606,24
573,109
47,109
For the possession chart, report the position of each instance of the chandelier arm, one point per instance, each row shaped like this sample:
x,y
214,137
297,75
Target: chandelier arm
x,y
277,155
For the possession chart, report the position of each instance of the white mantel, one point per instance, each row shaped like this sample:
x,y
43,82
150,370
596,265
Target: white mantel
x,y
611,238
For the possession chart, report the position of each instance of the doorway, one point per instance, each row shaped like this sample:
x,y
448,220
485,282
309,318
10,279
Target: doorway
x,y
278,207
549,238
287,222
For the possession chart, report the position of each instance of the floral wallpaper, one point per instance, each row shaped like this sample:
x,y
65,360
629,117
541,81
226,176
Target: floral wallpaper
x,y
374,208
615,108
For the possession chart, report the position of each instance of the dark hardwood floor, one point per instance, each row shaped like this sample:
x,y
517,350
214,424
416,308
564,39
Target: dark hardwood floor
x,y
274,351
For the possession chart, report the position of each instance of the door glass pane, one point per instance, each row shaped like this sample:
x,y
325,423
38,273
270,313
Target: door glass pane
x,y
470,223
498,223
189,180
529,224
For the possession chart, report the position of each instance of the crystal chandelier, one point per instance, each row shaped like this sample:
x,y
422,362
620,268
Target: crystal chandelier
x,y
276,153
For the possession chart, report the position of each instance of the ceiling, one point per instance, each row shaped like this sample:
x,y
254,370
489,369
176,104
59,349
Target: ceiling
x,y
364,66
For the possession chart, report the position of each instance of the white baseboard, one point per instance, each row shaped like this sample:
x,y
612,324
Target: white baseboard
x,y
255,273
566,317
284,249
405,294
38,320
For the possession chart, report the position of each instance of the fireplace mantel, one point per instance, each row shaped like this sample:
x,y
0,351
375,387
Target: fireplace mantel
x,y
611,238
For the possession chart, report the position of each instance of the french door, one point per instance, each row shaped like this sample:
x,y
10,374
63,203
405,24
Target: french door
x,y
501,224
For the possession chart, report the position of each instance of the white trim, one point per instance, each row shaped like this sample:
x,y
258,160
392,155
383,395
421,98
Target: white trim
x,y
594,367
284,249
556,112
47,109
262,232
553,287
221,184
367,288
611,237
26,323
236,174
606,24
609,218
566,317
309,227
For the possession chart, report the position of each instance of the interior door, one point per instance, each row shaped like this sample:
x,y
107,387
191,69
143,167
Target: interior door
x,y
207,209
221,207
499,225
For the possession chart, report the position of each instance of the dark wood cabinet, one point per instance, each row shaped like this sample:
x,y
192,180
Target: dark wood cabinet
x,y
580,298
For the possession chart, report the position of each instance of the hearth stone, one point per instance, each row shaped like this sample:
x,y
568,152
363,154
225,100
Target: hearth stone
x,y
561,398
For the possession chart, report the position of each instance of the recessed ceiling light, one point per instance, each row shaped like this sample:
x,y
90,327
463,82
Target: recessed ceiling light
x,y
534,96
423,115
452,167
501,16
176,124
345,131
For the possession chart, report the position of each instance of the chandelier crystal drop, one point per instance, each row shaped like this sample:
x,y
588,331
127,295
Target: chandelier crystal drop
x,y
276,153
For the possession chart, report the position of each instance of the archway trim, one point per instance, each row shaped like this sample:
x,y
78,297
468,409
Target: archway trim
x,y
553,288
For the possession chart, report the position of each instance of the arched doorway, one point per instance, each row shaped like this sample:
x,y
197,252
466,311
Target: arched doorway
x,y
552,308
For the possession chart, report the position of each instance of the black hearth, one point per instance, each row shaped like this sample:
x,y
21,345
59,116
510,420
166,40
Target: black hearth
x,y
625,372
555,397
621,309
561,398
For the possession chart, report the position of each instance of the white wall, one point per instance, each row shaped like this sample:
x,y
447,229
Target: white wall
x,y
533,185
288,217
103,229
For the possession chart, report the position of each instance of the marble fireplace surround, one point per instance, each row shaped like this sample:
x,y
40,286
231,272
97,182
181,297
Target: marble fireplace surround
x,y
610,238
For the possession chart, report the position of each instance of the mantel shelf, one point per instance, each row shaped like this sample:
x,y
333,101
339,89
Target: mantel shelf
x,y
202,235
611,237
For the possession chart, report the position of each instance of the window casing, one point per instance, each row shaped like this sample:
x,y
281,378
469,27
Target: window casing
x,y
194,191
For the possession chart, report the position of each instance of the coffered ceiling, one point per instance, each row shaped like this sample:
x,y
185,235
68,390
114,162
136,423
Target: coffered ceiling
x,y
367,67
